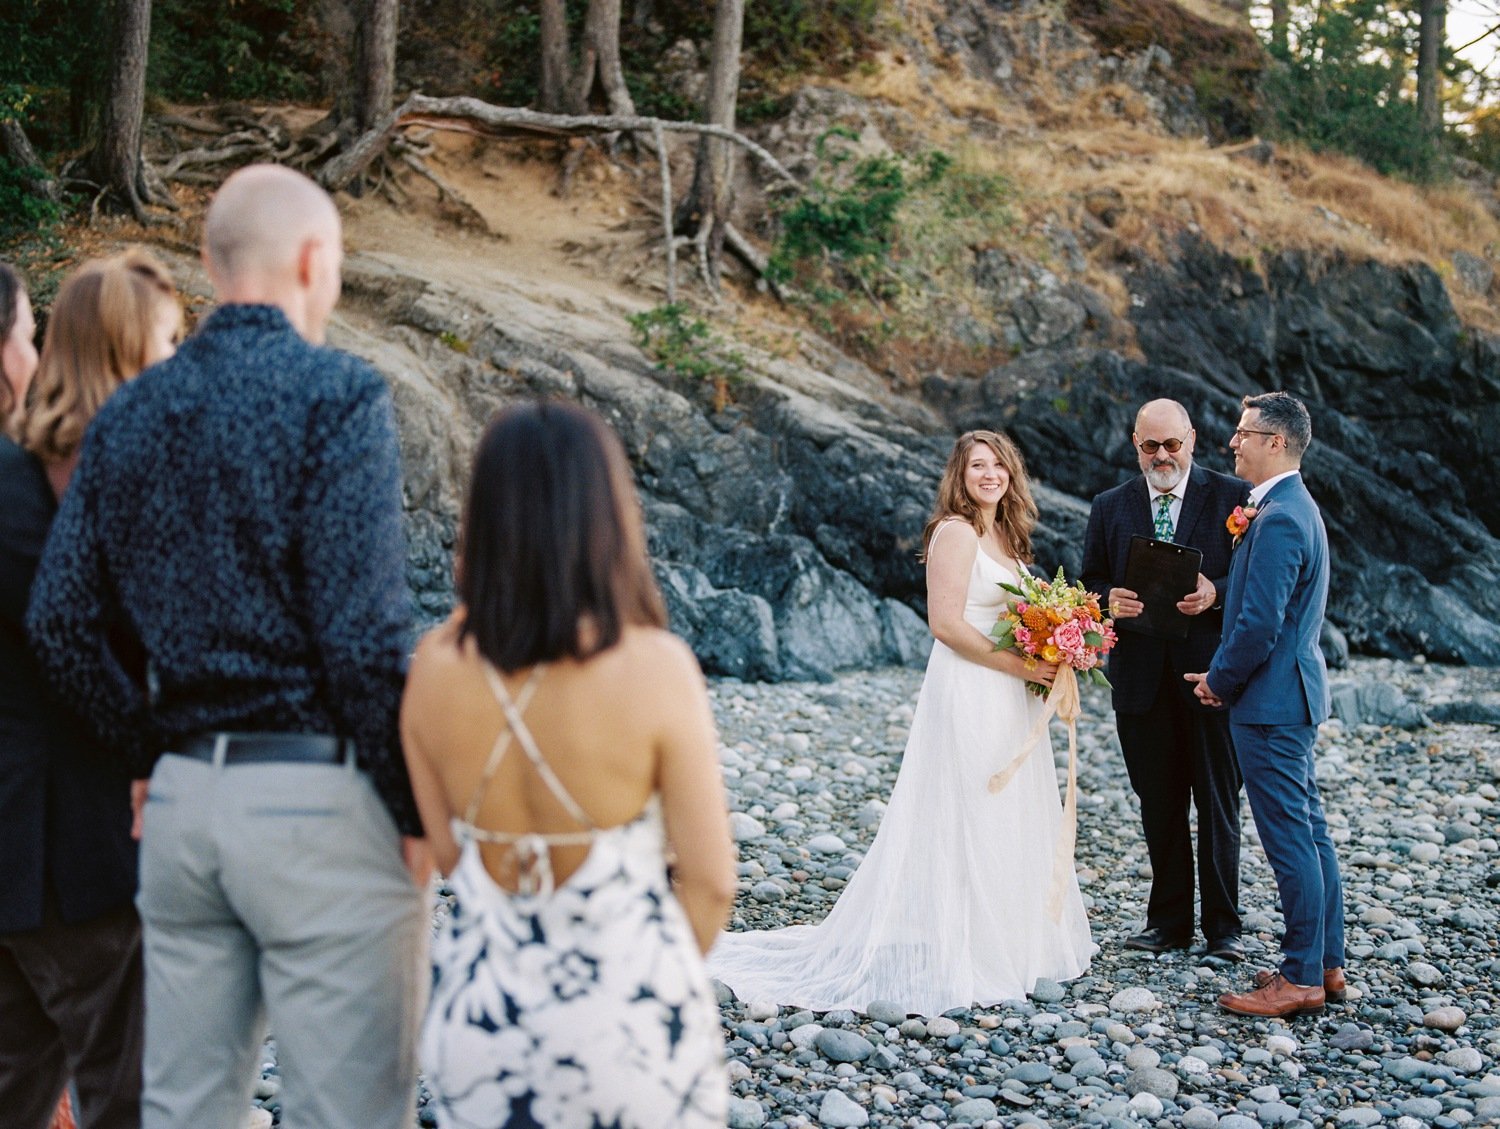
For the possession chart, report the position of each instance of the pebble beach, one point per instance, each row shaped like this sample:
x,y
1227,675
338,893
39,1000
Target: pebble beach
x,y
1139,1040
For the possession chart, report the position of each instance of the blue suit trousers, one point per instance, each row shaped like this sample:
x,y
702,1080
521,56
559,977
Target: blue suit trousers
x,y
1277,762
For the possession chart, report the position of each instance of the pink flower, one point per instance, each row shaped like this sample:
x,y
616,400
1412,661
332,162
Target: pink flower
x,y
1068,638
1023,636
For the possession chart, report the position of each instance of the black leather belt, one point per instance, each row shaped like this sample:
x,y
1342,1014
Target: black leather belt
x,y
260,748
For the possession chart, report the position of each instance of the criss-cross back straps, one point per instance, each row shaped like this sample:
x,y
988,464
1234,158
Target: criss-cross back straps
x,y
516,725
502,739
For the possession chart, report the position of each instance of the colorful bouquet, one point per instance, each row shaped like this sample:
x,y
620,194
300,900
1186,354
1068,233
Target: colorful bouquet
x,y
1056,622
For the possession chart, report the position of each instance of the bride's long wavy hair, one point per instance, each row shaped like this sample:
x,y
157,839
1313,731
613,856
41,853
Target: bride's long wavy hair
x,y
1016,514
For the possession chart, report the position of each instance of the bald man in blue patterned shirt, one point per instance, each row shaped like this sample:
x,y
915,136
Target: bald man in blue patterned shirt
x,y
223,595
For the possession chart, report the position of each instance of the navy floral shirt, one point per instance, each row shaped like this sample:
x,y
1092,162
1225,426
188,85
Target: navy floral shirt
x,y
229,554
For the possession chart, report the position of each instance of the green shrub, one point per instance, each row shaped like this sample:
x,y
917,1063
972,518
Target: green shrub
x,y
1340,90
689,348
21,212
251,49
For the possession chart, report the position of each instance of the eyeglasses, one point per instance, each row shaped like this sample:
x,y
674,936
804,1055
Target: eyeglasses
x,y
1151,446
1241,432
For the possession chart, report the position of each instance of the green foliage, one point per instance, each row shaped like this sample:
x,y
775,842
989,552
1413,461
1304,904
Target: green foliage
x,y
21,212
800,35
1343,87
883,225
848,221
244,50
687,346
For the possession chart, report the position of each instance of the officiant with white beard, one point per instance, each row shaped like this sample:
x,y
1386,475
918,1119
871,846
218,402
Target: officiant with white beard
x,y
1177,751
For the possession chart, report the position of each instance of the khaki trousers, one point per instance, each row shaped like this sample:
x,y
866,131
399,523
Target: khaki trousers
x,y
277,892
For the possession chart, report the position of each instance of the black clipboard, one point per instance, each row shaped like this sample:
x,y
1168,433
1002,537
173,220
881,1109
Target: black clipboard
x,y
1160,573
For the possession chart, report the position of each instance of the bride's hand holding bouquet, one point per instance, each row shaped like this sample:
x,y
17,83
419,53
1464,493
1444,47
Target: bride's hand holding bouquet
x,y
1057,625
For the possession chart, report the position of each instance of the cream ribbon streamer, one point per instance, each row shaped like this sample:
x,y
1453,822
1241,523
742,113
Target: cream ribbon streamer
x,y
1062,703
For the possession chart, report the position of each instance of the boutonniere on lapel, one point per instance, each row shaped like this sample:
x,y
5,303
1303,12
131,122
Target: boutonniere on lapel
x,y
1238,523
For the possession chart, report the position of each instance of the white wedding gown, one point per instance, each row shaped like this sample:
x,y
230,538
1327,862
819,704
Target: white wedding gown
x,y
949,907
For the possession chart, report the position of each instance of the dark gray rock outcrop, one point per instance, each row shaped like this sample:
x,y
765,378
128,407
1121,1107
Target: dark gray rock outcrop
x,y
785,526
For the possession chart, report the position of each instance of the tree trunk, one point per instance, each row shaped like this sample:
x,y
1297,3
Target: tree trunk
x,y
1429,66
599,58
34,175
554,85
116,160
374,78
1280,18
705,211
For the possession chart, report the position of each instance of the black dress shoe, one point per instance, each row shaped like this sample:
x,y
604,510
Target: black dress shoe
x,y
1158,941
1227,948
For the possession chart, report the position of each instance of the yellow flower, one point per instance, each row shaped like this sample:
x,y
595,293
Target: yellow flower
x,y
1051,654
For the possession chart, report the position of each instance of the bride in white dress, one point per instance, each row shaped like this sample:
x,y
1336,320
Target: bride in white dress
x,y
950,906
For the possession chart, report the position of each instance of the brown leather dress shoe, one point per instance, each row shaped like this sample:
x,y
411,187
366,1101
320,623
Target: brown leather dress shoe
x,y
1278,998
1334,987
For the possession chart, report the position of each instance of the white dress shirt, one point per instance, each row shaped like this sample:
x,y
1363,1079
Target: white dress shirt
x,y
1258,494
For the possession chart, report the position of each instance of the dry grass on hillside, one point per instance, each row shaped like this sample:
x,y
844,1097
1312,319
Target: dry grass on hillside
x,y
1063,151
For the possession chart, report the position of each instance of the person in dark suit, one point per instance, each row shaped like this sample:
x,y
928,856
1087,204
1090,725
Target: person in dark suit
x,y
1177,751
1269,671
70,941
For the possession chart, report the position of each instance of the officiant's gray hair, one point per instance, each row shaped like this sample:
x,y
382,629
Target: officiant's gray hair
x,y
1286,415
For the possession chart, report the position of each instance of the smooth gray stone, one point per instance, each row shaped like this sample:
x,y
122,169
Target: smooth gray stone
x,y
1200,1117
1030,1072
838,1045
1151,1080
1425,1108
1352,1038
887,1011
1275,1113
975,1111
838,1111
745,1114
1048,991
1238,1121
1360,1115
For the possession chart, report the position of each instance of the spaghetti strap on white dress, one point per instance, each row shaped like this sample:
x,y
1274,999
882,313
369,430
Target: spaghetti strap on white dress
x,y
583,1005
949,908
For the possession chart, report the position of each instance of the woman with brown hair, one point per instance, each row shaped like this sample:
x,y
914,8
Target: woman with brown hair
x,y
949,907
560,742
70,968
111,319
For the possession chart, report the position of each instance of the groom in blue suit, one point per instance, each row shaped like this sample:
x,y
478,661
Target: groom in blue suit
x,y
1269,671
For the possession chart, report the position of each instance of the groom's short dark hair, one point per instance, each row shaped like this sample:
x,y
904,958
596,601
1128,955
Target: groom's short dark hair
x,y
1286,415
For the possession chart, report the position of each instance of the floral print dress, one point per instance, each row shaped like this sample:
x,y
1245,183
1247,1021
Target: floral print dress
x,y
579,1006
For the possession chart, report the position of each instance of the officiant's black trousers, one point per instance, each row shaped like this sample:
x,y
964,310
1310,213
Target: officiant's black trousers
x,y
1179,754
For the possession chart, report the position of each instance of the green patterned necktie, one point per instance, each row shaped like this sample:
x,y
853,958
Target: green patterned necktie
x,y
1164,528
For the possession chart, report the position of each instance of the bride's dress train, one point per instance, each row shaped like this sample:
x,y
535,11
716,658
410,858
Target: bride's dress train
x,y
949,907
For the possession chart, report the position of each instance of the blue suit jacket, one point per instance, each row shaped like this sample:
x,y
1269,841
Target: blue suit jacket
x,y
1269,668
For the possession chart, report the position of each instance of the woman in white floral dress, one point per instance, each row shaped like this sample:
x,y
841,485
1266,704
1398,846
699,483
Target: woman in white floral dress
x,y
559,740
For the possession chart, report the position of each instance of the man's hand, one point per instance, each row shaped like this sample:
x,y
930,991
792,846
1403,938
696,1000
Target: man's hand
x,y
1202,691
138,808
1200,599
1124,604
418,859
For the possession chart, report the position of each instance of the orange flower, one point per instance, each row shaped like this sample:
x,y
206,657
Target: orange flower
x,y
1035,619
1057,615
1238,523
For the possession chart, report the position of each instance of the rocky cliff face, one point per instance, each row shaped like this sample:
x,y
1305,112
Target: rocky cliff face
x,y
785,526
